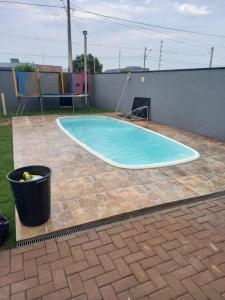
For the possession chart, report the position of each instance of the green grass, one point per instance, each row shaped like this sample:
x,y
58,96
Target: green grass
x,y
6,163
63,111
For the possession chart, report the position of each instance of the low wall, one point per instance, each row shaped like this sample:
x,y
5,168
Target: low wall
x,y
192,99
6,86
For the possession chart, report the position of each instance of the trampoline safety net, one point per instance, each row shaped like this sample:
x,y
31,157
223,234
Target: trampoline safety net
x,y
27,83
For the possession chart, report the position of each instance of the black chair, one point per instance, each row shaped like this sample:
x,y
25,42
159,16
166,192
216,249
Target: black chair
x,y
141,108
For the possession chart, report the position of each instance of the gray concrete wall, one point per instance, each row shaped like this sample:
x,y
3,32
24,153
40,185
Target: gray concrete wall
x,y
6,86
189,99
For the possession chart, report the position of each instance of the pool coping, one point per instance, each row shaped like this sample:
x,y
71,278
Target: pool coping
x,y
125,166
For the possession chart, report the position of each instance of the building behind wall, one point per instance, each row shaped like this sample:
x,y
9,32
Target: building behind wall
x,y
14,62
127,69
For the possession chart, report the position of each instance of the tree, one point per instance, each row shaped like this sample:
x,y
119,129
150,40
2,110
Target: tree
x,y
25,67
78,64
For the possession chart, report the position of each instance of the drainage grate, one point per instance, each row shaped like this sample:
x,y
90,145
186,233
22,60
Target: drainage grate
x,y
72,230
117,219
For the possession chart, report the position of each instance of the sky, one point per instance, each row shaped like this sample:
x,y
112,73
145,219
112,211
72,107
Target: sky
x,y
39,34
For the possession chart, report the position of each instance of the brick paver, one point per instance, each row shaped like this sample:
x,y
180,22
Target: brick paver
x,y
174,253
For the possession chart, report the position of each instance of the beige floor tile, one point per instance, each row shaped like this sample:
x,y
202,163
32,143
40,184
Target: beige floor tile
x,y
85,188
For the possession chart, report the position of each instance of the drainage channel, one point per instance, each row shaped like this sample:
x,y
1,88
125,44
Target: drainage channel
x,y
117,219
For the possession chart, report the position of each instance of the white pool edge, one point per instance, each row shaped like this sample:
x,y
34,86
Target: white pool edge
x,y
124,166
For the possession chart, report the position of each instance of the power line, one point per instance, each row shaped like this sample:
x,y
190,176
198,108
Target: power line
x,y
185,53
143,29
11,8
63,4
47,55
184,61
105,45
31,4
117,18
102,45
115,58
78,27
147,24
147,31
103,57
63,41
28,54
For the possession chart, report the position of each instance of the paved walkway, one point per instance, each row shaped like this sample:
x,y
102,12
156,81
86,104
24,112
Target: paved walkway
x,y
85,188
178,253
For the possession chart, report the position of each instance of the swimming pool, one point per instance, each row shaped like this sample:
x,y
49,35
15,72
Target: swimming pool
x,y
123,144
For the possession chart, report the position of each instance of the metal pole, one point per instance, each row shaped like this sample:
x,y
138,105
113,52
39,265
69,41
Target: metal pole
x,y
85,67
121,96
119,59
160,54
70,55
211,57
3,104
94,64
145,52
129,75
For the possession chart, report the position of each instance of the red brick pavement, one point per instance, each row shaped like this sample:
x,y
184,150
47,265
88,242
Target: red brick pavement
x,y
177,253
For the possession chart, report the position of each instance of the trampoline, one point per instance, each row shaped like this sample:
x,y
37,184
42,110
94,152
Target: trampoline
x,y
36,85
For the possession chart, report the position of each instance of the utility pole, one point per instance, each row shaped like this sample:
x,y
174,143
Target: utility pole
x,y
43,59
85,68
211,57
70,56
160,54
94,64
119,59
145,56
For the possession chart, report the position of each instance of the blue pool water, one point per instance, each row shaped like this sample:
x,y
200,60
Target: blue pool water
x,y
123,144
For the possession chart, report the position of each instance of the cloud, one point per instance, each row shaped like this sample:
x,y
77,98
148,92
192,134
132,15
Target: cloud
x,y
121,8
192,9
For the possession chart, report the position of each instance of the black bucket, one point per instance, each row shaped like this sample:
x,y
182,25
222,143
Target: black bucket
x,y
32,198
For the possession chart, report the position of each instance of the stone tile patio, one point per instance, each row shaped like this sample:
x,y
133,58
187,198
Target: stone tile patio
x,y
85,188
177,253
